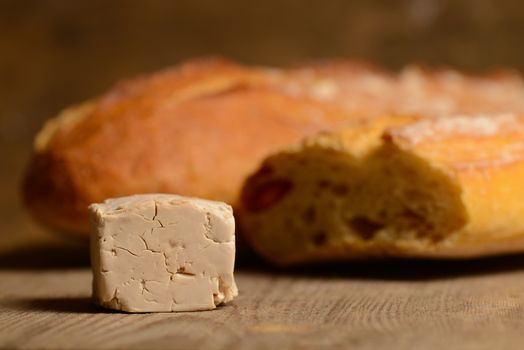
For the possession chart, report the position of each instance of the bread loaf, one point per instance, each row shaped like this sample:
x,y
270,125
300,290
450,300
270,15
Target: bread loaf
x,y
200,128
395,186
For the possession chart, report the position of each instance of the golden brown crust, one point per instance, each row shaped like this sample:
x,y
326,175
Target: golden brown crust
x,y
200,128
197,130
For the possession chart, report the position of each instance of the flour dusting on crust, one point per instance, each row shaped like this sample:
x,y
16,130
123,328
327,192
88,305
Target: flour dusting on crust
x,y
474,126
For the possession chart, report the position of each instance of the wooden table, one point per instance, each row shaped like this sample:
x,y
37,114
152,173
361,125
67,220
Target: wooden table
x,y
45,304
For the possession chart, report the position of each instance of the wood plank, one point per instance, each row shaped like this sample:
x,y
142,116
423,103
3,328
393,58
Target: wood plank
x,y
394,305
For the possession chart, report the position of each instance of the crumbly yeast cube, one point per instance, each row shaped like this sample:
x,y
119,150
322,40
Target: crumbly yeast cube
x,y
161,253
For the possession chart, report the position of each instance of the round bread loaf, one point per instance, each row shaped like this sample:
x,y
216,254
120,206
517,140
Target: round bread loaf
x,y
200,128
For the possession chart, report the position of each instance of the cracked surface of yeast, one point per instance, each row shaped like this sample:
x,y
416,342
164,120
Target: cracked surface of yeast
x,y
155,253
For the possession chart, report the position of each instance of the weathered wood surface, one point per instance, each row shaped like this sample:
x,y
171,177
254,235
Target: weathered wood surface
x,y
44,304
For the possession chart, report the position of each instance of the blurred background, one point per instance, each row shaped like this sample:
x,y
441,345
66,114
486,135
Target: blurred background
x,y
55,53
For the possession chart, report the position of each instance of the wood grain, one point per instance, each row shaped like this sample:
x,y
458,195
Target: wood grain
x,y
393,305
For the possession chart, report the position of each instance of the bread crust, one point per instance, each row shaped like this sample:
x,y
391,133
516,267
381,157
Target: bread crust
x,y
200,128
197,130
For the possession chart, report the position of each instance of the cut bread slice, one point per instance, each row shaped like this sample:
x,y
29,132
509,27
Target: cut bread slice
x,y
395,186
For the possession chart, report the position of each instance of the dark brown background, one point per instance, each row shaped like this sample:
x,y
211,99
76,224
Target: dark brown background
x,y
54,53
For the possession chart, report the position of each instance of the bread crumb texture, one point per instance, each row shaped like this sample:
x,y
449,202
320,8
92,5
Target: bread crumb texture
x,y
395,186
